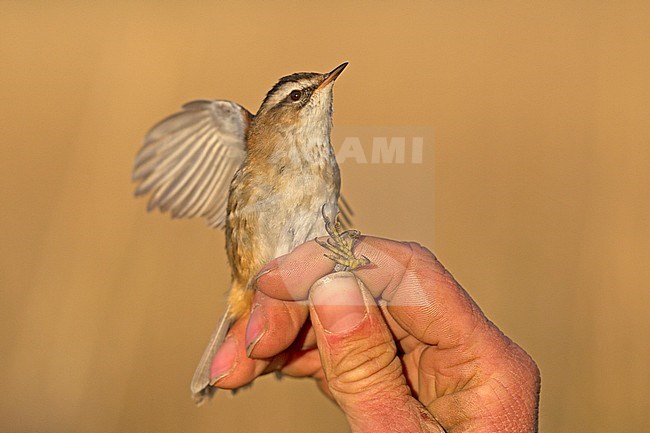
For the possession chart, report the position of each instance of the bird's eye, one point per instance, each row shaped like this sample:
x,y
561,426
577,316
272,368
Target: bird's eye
x,y
295,95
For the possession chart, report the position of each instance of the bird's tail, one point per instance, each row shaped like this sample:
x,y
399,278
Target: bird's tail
x,y
201,389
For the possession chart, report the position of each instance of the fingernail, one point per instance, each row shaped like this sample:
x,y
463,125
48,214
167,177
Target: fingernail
x,y
338,302
270,266
224,361
265,270
255,329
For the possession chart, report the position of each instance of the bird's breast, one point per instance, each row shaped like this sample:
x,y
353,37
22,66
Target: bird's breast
x,y
274,207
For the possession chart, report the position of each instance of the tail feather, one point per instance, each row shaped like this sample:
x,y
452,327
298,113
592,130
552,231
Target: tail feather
x,y
200,387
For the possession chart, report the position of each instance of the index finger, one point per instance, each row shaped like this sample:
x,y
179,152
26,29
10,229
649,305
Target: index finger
x,y
420,294
289,277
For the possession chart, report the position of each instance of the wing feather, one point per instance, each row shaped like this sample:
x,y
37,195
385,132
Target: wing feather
x,y
345,212
196,180
195,202
168,163
188,160
184,188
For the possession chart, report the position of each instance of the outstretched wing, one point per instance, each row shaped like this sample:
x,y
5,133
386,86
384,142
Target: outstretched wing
x,y
188,160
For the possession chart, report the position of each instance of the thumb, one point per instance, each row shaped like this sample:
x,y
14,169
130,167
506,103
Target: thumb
x,y
359,358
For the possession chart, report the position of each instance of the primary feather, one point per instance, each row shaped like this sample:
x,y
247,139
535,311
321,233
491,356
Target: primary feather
x,y
188,160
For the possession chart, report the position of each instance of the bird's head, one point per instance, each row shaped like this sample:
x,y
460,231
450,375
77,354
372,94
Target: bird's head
x,y
299,103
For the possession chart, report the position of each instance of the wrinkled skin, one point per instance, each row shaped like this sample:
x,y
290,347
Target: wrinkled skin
x,y
401,347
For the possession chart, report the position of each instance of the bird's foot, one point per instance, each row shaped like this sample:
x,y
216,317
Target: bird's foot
x,y
341,245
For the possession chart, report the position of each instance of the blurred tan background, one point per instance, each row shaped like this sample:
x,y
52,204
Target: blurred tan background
x,y
535,194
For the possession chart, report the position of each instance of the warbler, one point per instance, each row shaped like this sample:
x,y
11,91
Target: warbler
x,y
270,179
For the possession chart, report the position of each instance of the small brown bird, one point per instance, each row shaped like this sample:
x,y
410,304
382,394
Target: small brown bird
x,y
270,179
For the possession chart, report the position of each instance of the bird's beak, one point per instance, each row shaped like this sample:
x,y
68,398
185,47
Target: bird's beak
x,y
331,76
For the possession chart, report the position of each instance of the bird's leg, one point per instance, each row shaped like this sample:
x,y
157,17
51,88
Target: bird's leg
x,y
341,245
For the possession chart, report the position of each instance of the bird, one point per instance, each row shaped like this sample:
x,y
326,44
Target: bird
x,y
271,180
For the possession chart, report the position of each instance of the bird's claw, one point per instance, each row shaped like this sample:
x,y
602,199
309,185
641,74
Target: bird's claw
x,y
341,245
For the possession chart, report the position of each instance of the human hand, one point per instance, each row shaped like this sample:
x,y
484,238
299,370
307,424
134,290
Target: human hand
x,y
423,357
